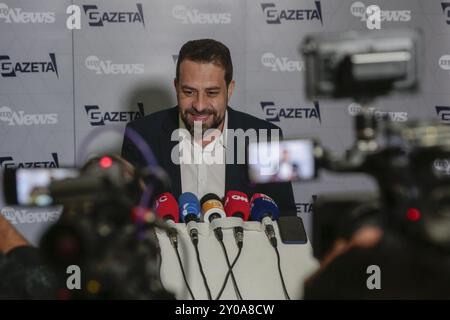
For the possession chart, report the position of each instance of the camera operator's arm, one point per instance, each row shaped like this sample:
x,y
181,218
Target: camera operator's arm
x,y
24,275
366,237
10,238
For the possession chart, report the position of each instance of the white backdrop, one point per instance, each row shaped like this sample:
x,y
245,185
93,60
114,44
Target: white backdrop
x,y
58,86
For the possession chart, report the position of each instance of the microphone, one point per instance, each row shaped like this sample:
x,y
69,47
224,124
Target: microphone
x,y
166,208
264,209
212,209
237,205
190,213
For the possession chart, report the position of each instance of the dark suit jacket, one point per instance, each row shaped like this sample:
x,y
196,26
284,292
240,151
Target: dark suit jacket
x,y
156,129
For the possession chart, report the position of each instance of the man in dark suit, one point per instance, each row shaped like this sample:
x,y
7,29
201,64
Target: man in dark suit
x,y
204,84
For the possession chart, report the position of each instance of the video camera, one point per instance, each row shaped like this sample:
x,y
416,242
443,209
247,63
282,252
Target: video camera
x,y
106,227
408,161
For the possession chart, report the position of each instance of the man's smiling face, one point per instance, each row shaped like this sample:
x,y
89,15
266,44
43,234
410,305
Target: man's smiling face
x,y
202,94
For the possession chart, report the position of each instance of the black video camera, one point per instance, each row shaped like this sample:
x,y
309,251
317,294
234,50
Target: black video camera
x,y
409,162
105,229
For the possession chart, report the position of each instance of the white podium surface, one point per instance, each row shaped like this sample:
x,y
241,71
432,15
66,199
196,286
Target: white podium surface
x,y
256,271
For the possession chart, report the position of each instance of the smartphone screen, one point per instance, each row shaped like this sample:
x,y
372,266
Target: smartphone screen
x,y
287,160
29,186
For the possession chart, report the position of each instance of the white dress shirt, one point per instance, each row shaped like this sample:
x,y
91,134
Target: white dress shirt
x,y
206,174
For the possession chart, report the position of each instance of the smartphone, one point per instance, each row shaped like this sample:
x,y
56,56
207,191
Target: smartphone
x,y
292,230
30,186
286,160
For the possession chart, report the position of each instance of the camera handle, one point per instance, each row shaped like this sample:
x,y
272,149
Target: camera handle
x,y
365,125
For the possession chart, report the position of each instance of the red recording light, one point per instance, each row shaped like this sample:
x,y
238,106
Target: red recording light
x,y
105,162
413,214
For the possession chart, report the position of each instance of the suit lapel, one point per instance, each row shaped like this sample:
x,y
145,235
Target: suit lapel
x,y
166,147
233,173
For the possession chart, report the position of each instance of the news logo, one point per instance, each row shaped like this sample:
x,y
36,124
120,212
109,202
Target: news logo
x,y
9,68
8,162
443,113
359,10
97,18
441,167
18,15
281,64
20,118
275,114
97,117
27,216
444,62
107,67
277,16
394,116
194,16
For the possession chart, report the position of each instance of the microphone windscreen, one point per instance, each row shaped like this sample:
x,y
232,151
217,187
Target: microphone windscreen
x,y
262,205
167,207
211,204
236,202
209,196
188,204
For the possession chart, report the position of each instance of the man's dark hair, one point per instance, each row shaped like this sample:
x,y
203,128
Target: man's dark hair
x,y
207,50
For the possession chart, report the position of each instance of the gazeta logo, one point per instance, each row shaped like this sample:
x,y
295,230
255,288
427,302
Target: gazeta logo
x,y
98,18
275,15
8,162
10,68
274,113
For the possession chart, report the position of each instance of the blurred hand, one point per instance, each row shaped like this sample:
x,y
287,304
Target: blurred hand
x,y
9,236
365,237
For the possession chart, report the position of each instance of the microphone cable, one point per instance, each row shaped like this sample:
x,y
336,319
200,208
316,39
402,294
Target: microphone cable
x,y
219,236
228,274
175,247
281,274
197,253
274,243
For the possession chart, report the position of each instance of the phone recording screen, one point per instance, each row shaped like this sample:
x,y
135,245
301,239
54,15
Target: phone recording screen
x,y
288,160
32,184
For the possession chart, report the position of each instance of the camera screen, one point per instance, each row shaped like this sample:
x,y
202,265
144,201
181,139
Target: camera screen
x,y
288,160
32,184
